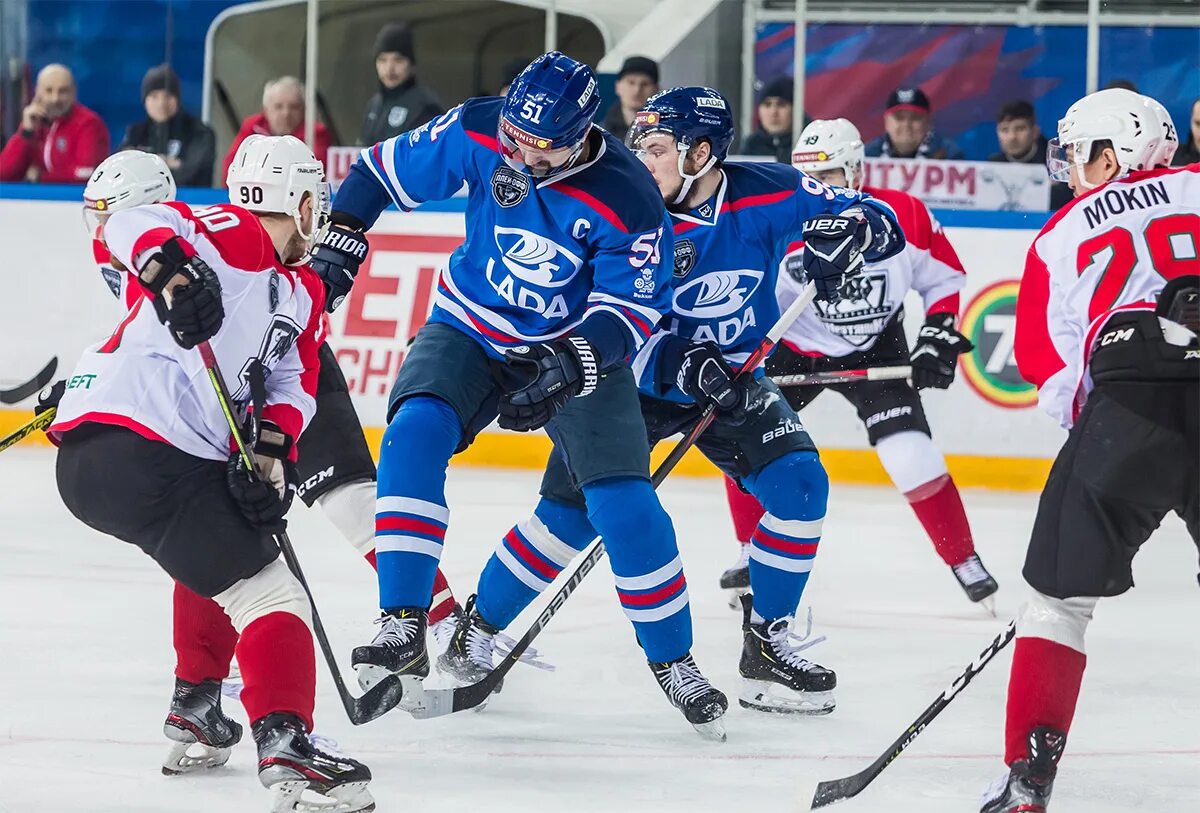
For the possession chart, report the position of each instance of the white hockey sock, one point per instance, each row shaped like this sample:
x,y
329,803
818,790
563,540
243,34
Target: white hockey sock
x,y
351,509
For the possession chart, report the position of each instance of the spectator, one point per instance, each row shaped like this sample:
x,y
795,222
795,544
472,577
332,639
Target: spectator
x,y
1189,149
636,83
60,140
510,71
282,114
908,126
1022,142
185,143
401,103
774,134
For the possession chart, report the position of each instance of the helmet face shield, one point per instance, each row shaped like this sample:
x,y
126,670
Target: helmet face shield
x,y
1058,163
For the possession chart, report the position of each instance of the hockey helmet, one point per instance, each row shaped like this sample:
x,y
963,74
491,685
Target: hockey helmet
x,y
1130,121
122,181
272,174
550,106
831,144
690,115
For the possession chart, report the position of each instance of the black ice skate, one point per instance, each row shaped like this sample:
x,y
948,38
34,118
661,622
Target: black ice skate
x,y
737,578
976,582
303,777
1026,787
468,658
399,648
690,692
774,676
202,736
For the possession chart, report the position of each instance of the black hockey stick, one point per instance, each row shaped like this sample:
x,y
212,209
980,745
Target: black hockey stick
x,y
836,790
30,387
845,376
384,696
40,422
438,702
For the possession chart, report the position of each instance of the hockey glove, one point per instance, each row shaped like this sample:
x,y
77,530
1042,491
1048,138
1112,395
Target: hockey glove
x,y
704,374
185,291
49,397
557,371
936,353
336,259
264,497
833,251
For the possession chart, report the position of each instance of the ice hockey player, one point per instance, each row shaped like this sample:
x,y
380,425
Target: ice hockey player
x,y
145,449
732,222
559,281
867,330
1107,323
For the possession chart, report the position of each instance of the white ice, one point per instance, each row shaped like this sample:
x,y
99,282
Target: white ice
x,y
86,673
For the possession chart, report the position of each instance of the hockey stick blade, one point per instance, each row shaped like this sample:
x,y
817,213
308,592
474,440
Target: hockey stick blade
x,y
837,790
31,387
40,422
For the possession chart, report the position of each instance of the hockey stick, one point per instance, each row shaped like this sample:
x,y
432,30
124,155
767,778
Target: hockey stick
x,y
40,422
439,702
845,376
385,695
836,790
30,387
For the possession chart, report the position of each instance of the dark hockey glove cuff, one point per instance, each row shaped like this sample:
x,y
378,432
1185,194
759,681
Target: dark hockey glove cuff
x,y
935,356
336,259
555,372
264,496
833,251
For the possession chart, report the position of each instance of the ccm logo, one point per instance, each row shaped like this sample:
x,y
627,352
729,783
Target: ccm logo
x,y
319,477
1117,336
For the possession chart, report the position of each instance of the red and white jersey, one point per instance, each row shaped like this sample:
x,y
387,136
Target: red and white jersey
x,y
1111,249
141,379
927,265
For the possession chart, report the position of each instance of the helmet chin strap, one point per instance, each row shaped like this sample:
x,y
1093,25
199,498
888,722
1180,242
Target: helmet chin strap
x,y
688,180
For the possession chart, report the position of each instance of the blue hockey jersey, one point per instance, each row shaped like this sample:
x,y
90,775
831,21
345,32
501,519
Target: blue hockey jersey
x,y
728,251
579,251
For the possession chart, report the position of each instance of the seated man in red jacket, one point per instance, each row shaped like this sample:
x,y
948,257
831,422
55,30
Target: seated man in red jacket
x,y
282,114
60,140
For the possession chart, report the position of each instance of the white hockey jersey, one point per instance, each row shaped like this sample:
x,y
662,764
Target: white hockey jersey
x,y
1111,249
927,265
139,378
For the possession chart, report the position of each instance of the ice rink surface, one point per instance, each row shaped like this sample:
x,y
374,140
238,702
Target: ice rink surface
x,y
86,673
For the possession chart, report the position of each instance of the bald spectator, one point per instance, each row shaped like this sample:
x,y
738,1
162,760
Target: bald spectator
x,y
60,140
637,81
402,102
908,129
282,114
185,143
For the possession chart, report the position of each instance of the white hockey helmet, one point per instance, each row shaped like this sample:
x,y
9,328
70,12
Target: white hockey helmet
x,y
272,174
122,181
1170,138
831,144
1129,120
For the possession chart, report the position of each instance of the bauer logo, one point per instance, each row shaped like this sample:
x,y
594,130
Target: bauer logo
x,y
717,294
990,322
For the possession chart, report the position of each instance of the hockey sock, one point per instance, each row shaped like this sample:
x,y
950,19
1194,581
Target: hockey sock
x,y
410,509
745,510
649,576
203,635
351,509
275,653
442,603
794,489
1042,691
529,558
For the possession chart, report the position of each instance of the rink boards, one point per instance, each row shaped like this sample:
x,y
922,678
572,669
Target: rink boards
x,y
987,423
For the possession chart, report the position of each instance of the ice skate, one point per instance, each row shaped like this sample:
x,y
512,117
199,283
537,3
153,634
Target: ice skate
x,y
468,657
737,578
399,648
689,691
443,630
976,582
303,777
774,676
202,736
1026,787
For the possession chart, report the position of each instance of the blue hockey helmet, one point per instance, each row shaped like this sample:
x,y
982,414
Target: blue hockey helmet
x,y
690,115
549,106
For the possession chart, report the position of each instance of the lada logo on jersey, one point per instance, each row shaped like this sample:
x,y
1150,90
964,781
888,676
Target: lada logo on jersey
x,y
685,257
990,321
530,264
717,294
509,187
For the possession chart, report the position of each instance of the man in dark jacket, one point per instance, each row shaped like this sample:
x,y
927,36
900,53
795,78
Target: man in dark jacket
x,y
636,83
774,134
1022,142
401,103
184,142
908,129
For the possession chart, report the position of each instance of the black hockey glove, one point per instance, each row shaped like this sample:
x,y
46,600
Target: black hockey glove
x,y
704,374
265,497
49,397
936,353
833,251
336,259
557,371
193,310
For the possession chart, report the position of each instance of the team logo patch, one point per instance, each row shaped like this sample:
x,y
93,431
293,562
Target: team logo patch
x,y
112,278
685,257
279,339
273,291
863,310
989,321
717,294
509,187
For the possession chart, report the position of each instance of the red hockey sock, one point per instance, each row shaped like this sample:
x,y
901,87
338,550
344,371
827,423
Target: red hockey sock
x,y
443,599
203,636
370,557
279,667
940,509
744,509
1042,691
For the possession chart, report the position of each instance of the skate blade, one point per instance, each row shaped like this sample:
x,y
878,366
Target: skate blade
x,y
201,758
734,595
303,796
764,696
988,604
712,730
